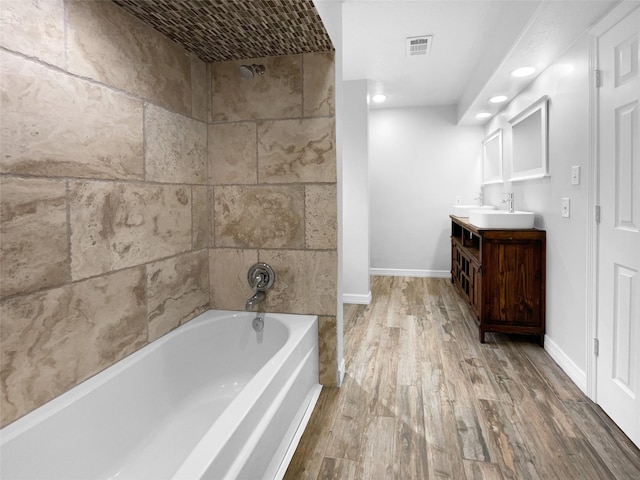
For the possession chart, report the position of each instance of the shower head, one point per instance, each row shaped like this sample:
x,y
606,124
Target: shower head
x,y
246,72
249,71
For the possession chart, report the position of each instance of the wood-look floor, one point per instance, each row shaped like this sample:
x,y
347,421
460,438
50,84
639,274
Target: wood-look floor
x,y
423,399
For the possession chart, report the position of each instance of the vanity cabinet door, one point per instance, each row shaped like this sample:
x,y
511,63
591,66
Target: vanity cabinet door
x,y
476,291
513,275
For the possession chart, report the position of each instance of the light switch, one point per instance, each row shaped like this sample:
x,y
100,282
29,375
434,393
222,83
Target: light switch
x,y
566,207
575,175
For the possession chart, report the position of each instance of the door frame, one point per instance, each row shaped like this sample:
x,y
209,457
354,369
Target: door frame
x,y
614,17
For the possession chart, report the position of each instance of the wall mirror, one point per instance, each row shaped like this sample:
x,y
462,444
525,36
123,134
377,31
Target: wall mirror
x,y
492,158
529,142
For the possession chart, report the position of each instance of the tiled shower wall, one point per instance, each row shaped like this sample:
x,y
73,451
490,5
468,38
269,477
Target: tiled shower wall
x,y
108,228
273,171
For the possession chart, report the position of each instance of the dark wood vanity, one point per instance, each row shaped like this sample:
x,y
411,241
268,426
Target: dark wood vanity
x,y
501,274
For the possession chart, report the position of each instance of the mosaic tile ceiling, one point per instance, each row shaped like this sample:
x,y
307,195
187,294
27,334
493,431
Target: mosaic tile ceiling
x,y
219,30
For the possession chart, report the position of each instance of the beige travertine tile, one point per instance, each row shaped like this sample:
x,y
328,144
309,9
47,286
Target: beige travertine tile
x,y
200,217
176,147
177,291
259,216
233,157
34,28
109,45
34,252
319,84
118,225
297,151
327,345
57,125
228,269
321,216
199,90
53,340
276,94
306,281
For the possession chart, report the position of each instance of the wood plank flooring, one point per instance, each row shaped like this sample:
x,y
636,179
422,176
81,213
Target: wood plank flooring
x,y
423,399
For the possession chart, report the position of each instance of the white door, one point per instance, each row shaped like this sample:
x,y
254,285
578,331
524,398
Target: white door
x,y
618,364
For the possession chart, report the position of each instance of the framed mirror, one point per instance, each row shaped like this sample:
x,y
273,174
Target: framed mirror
x,y
492,158
529,142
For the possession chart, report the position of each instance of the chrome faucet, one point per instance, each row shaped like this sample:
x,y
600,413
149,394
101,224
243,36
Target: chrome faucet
x,y
508,198
255,299
260,277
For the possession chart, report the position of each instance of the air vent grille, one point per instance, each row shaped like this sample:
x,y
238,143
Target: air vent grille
x,y
417,46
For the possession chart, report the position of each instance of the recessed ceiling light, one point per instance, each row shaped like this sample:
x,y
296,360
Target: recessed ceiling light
x,y
482,115
523,72
498,99
379,98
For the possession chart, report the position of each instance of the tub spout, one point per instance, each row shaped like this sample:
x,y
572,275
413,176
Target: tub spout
x,y
256,298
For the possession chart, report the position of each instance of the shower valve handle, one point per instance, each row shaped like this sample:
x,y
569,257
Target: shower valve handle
x,y
261,277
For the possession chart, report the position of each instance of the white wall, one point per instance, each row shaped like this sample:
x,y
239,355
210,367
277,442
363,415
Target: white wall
x,y
420,161
355,192
566,82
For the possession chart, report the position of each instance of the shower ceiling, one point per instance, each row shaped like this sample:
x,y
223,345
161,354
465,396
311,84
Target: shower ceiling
x,y
219,30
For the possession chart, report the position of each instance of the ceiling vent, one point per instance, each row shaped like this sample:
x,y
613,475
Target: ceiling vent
x,y
417,46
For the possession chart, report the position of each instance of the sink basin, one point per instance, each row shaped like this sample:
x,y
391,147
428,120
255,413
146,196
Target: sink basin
x,y
463,210
501,219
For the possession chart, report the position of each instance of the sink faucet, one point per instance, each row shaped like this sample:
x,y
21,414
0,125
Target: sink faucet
x,y
256,298
480,198
508,198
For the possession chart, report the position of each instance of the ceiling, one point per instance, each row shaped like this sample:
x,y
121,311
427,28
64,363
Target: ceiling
x,y
476,43
466,34
219,30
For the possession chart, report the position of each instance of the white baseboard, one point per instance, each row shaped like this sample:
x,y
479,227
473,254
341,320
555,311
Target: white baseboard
x,y
576,374
357,298
398,272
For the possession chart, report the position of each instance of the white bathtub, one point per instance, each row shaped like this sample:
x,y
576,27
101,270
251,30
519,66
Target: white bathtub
x,y
211,400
